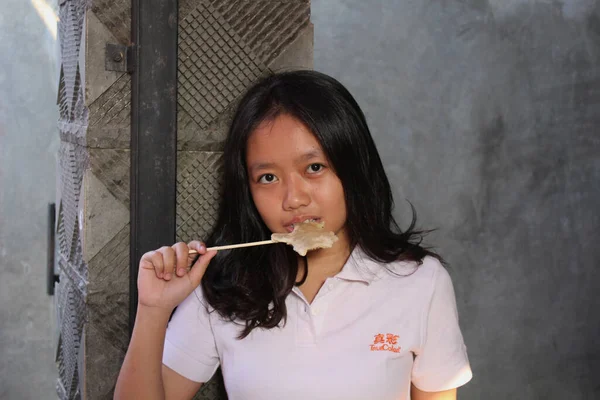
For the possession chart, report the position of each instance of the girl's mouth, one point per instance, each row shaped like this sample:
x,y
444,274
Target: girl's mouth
x,y
290,227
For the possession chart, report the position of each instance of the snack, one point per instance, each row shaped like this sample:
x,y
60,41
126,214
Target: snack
x,y
307,236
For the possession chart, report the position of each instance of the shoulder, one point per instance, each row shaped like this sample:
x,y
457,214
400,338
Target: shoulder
x,y
425,272
415,281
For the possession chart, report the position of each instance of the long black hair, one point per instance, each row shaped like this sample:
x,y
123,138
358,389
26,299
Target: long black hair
x,y
250,285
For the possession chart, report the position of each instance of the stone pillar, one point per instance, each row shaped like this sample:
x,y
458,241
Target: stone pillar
x,y
224,45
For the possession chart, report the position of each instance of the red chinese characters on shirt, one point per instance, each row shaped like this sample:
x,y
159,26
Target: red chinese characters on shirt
x,y
385,342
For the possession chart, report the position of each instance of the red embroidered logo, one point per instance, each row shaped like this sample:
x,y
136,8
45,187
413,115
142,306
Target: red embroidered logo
x,y
385,342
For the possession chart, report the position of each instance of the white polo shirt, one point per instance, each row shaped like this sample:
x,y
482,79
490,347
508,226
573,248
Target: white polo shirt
x,y
367,335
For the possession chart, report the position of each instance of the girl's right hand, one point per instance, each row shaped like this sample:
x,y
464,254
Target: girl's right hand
x,y
165,278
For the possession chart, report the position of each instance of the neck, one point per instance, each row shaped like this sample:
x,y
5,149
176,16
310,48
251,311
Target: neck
x,y
324,263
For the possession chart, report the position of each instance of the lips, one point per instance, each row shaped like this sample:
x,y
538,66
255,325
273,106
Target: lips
x,y
302,218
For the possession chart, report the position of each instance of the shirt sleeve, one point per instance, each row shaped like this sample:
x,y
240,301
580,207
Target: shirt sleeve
x,y
190,348
441,363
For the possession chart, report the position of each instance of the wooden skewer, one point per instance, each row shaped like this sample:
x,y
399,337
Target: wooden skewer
x,y
235,246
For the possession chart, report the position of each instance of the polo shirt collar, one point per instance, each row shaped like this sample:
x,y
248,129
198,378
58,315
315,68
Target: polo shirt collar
x,y
360,267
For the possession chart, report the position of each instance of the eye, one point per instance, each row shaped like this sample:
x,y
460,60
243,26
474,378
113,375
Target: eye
x,y
267,178
314,168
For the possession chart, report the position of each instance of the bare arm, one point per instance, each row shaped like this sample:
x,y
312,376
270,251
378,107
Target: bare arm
x,y
142,371
143,375
163,282
417,394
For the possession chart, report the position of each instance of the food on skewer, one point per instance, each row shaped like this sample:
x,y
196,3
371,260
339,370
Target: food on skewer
x,y
307,235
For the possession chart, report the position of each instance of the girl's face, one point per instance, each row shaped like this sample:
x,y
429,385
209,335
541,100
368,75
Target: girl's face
x,y
291,179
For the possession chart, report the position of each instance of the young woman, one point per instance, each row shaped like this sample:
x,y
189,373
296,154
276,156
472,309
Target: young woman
x,y
373,317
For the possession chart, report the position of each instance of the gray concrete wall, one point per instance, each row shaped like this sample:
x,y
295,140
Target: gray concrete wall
x,y
487,116
28,145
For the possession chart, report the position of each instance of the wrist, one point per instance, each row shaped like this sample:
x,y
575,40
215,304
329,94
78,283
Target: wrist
x,y
157,315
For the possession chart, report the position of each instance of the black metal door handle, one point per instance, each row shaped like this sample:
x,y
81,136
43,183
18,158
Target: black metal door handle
x,y
51,277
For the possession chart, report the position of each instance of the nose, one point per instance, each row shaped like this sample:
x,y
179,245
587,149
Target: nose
x,y
296,194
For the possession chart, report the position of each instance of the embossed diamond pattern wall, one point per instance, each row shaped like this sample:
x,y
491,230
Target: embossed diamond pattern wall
x,y
72,162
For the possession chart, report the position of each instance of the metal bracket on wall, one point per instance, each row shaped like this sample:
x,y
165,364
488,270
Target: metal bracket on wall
x,y
118,58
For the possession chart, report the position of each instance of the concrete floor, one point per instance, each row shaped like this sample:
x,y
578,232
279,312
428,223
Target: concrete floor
x,y
28,146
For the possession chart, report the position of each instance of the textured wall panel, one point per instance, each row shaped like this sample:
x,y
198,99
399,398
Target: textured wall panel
x,y
70,292
71,107
116,16
71,315
111,167
71,15
102,363
214,65
211,138
73,268
110,116
108,269
63,245
72,161
103,213
107,332
266,26
218,41
198,183
297,54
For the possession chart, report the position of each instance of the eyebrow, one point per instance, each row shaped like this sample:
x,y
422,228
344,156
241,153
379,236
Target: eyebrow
x,y
309,155
315,153
260,166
